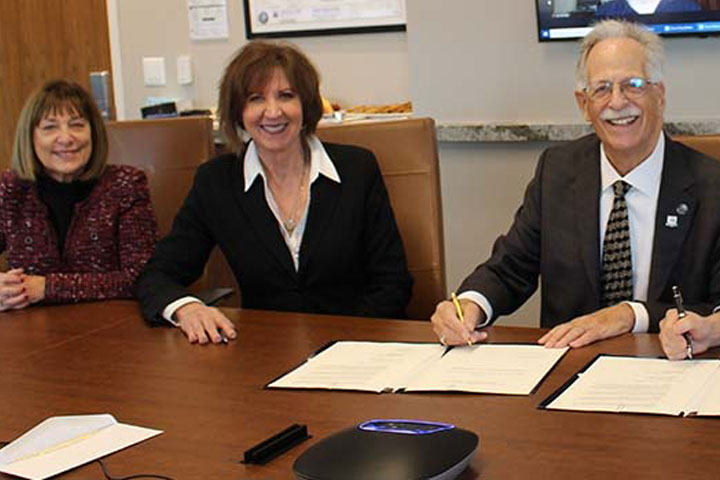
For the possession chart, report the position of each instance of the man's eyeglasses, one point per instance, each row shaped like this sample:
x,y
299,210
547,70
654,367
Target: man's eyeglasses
x,y
633,87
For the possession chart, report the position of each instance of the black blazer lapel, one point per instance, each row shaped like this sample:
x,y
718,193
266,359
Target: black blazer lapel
x,y
675,213
587,201
259,216
324,199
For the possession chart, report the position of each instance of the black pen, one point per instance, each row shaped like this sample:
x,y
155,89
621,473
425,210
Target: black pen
x,y
677,296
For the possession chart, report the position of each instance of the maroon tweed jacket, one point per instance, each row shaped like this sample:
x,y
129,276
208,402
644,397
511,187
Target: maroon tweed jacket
x,y
111,236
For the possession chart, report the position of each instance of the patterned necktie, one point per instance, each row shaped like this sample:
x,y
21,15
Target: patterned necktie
x,y
616,259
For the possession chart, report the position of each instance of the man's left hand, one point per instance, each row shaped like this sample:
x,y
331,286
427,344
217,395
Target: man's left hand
x,y
606,323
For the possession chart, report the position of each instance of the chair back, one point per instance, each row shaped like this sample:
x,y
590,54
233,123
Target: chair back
x,y
406,151
168,150
707,144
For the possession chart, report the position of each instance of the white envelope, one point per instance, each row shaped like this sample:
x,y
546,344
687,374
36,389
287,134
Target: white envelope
x,y
61,443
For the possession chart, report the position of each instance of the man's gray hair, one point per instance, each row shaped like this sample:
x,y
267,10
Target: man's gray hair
x,y
654,54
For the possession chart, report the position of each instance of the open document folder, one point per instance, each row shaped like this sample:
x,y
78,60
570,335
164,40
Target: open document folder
x,y
61,443
511,369
642,385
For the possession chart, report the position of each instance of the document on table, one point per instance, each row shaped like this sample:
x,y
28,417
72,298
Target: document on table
x,y
643,385
393,366
61,443
488,368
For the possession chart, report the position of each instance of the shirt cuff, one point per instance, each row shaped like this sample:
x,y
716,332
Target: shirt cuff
x,y
642,318
172,307
481,301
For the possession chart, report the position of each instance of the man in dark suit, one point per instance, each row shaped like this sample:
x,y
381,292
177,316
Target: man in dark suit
x,y
611,221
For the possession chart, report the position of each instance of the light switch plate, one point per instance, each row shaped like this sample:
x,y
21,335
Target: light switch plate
x,y
154,71
184,70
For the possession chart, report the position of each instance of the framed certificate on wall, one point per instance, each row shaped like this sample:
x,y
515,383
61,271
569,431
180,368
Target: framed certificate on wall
x,y
293,18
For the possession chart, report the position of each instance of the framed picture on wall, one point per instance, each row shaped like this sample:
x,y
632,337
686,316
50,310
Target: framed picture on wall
x,y
294,18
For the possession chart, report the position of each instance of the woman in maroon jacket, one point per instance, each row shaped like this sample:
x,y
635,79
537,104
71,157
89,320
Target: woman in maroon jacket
x,y
72,227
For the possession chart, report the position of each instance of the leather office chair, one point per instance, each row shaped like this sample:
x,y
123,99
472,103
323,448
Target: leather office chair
x,y
168,150
406,151
707,144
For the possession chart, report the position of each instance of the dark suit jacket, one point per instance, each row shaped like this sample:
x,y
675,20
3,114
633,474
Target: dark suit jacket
x,y
555,235
352,260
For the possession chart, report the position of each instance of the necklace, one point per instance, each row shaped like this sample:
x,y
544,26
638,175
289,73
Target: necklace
x,y
290,223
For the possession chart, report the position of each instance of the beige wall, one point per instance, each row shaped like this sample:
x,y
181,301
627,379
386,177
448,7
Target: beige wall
x,y
489,67
482,186
355,68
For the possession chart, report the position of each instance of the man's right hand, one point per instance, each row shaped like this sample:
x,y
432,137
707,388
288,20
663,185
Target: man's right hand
x,y
202,324
450,330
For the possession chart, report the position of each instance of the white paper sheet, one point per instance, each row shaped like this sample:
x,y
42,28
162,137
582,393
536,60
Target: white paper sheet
x,y
208,19
708,401
369,366
381,366
501,369
637,385
61,443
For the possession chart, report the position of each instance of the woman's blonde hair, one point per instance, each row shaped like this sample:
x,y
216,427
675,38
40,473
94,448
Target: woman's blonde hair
x,y
53,97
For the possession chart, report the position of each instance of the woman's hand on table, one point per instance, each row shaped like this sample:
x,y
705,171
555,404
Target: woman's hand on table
x,y
202,324
18,290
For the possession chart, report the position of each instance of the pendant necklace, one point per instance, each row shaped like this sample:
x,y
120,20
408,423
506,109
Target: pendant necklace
x,y
290,223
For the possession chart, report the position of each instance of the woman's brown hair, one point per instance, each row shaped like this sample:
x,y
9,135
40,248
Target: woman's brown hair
x,y
53,97
250,69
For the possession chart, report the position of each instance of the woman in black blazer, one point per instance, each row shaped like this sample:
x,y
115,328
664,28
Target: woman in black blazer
x,y
305,226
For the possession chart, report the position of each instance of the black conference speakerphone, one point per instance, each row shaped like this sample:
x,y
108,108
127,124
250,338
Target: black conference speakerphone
x,y
389,449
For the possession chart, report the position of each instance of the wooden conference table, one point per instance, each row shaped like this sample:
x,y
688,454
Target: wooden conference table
x,y
210,401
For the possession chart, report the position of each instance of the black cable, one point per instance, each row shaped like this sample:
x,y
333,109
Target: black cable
x,y
110,477
131,477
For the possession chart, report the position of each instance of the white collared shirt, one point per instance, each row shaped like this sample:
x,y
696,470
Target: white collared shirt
x,y
641,201
642,208
320,164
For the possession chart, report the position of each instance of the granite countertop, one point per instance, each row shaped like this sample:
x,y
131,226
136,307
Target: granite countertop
x,y
538,132
467,132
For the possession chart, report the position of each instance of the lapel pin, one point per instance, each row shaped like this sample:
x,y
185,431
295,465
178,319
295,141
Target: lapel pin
x,y
671,221
682,209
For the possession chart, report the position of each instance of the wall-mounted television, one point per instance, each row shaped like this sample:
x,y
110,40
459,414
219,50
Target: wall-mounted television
x,y
571,19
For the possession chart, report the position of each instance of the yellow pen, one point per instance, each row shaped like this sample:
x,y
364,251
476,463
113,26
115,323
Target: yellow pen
x,y
458,309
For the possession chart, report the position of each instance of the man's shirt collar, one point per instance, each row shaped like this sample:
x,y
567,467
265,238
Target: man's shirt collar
x,y
645,177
